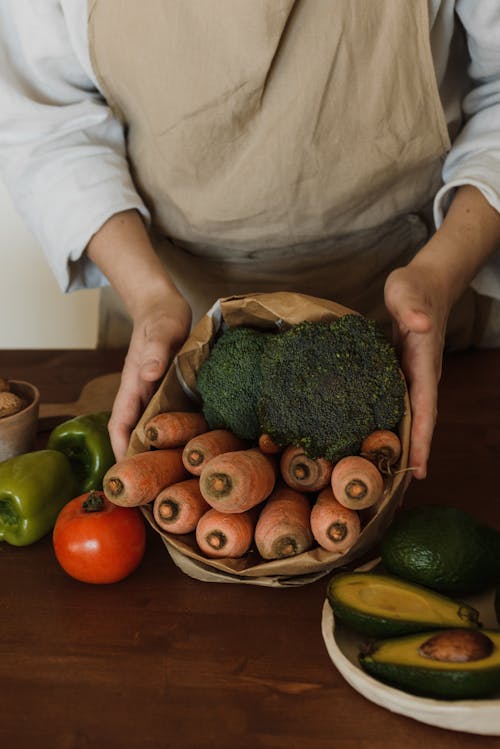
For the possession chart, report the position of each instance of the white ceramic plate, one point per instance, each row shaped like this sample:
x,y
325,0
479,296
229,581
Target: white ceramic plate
x,y
472,716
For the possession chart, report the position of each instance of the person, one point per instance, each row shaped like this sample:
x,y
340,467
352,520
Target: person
x,y
181,151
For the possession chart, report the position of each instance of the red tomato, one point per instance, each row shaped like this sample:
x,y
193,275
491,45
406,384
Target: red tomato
x,y
96,541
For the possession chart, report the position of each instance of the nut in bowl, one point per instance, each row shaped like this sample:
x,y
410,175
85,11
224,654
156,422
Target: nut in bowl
x,y
277,313
19,404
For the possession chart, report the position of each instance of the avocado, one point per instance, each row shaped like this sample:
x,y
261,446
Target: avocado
x,y
442,548
455,664
380,605
497,603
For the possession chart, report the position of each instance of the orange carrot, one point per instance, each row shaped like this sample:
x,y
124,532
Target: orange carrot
x,y
303,473
199,450
283,528
268,446
356,482
220,534
173,428
138,479
383,448
178,507
335,527
238,480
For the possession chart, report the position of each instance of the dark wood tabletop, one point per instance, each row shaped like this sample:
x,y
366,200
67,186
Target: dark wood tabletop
x,y
163,660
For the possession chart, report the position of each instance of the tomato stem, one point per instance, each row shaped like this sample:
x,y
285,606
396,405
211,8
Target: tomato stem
x,y
94,503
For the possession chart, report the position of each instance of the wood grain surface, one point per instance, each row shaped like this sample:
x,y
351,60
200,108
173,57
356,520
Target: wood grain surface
x,y
161,660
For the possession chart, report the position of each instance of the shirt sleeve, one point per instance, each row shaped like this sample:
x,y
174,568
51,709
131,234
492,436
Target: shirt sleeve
x,y
62,151
474,158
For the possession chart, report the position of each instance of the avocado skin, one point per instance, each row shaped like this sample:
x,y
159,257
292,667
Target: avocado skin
x,y
442,548
442,683
372,624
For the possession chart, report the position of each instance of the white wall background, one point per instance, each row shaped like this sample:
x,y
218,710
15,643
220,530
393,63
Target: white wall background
x,y
34,313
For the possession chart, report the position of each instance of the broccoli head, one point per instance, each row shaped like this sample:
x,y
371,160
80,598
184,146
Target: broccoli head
x,y
326,385
229,381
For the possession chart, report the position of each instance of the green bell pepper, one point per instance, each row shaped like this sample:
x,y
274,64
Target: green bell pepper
x,y
33,489
85,442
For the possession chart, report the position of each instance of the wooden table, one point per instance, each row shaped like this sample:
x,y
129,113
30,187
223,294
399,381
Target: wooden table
x,y
162,660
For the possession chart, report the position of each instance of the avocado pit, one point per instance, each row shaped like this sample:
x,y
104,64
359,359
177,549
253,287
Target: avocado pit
x,y
457,646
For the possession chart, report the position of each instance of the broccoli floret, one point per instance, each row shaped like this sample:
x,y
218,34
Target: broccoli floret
x,y
326,385
229,381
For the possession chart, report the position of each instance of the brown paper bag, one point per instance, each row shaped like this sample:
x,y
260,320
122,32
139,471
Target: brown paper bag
x,y
178,392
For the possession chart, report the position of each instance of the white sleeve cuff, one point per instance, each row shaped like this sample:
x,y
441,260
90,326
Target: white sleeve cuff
x,y
445,195
77,270
487,281
67,202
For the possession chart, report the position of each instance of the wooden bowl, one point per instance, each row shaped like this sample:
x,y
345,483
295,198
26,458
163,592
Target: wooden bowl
x,y
18,431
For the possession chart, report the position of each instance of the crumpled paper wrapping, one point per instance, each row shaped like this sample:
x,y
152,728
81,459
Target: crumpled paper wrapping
x,y
178,392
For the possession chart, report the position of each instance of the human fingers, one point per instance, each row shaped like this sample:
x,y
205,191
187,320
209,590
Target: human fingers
x,y
130,401
418,331
155,340
418,362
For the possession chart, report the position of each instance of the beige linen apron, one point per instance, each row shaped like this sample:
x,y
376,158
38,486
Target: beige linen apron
x,y
280,144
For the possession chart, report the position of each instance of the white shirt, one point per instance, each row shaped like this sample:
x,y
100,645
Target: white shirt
x,y
62,152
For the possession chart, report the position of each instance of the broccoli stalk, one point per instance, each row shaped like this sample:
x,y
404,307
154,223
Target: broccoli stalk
x,y
326,385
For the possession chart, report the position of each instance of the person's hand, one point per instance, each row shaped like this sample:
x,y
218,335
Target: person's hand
x,y
419,310
122,249
158,333
419,298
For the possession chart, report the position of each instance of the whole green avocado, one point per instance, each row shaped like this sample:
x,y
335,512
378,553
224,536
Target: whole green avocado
x,y
443,548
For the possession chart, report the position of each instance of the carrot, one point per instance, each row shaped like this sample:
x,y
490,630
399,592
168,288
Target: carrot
x,y
283,528
335,527
173,428
238,480
220,534
178,507
138,479
356,482
268,446
199,450
383,448
303,473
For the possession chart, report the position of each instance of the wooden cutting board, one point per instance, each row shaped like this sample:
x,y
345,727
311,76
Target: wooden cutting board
x,y
96,395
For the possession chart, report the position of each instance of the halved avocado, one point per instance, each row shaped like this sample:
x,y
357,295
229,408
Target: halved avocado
x,y
410,663
379,605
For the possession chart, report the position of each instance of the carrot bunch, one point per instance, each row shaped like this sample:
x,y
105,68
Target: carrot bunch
x,y
235,496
